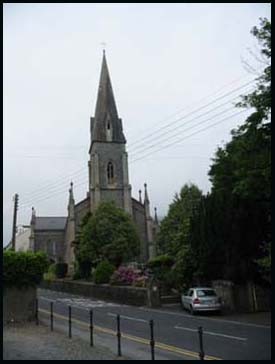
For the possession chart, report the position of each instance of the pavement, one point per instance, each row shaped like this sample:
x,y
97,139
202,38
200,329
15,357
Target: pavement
x,y
30,342
229,337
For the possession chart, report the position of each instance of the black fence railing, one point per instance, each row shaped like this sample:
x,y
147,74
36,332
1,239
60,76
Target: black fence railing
x,y
201,354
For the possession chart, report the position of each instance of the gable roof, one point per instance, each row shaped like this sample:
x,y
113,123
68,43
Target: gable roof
x,y
50,223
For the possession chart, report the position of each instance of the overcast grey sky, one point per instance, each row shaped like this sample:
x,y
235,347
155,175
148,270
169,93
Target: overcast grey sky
x,y
165,60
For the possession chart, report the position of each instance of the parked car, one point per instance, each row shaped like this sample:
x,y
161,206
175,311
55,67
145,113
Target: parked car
x,y
200,299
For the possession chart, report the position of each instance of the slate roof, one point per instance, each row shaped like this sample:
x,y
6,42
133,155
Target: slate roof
x,y
50,223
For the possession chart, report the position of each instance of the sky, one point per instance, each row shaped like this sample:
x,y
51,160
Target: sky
x,y
176,72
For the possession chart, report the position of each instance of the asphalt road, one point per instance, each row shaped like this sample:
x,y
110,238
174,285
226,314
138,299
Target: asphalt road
x,y
176,333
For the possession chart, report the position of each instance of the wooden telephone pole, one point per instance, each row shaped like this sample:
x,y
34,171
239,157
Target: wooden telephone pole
x,y
14,220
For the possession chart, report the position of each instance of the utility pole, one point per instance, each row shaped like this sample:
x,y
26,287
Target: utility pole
x,y
15,199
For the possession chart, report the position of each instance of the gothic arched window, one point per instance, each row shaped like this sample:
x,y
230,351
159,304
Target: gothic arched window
x,y
110,173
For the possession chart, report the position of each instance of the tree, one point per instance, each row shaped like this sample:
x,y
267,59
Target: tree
x,y
241,177
174,236
174,228
109,234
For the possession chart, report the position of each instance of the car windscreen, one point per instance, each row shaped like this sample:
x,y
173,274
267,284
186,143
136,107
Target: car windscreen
x,y
206,293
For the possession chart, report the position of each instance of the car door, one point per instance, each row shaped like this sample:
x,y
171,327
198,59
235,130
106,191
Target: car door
x,y
184,299
189,298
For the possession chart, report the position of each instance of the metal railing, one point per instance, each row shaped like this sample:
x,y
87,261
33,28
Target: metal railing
x,y
151,342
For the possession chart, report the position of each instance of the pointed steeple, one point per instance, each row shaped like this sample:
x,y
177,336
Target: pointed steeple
x,y
33,216
140,199
71,199
71,202
106,124
156,216
146,198
105,97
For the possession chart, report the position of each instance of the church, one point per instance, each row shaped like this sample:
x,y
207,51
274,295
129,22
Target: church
x,y
108,180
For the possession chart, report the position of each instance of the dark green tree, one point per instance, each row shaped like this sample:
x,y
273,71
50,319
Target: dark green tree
x,y
174,236
109,234
241,179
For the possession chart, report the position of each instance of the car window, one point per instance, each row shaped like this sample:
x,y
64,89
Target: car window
x,y
206,293
190,292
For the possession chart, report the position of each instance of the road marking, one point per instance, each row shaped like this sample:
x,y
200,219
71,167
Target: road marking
x,y
134,338
207,318
84,303
127,317
212,333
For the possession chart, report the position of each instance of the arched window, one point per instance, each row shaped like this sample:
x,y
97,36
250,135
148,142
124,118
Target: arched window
x,y
110,173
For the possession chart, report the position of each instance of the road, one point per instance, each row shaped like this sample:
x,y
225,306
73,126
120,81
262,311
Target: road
x,y
176,332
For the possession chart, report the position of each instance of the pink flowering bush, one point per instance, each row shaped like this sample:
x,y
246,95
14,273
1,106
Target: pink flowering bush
x,y
127,276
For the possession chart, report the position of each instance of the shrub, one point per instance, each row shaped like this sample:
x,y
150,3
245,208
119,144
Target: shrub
x,y
125,276
161,261
103,272
161,267
50,274
61,270
23,269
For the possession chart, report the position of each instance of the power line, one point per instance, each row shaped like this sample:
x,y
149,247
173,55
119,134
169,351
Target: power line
x,y
209,126
53,185
50,196
51,190
197,132
200,100
190,128
192,112
187,122
63,178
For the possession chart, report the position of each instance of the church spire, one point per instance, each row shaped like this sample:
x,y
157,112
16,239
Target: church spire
x,y
71,202
106,124
105,96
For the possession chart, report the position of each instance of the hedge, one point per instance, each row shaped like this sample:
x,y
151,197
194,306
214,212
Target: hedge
x,y
23,269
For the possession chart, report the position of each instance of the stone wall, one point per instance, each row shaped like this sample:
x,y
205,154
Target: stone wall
x,y
119,294
81,209
19,304
243,298
51,242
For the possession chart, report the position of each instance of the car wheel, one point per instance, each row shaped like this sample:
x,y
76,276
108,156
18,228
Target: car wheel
x,y
192,310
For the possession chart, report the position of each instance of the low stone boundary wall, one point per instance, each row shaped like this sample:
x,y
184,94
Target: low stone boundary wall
x,y
18,304
243,298
165,300
119,294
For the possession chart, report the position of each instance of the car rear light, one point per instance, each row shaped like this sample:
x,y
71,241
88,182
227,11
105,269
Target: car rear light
x,y
196,301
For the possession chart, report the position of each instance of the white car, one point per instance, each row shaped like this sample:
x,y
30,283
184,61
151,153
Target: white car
x,y
201,299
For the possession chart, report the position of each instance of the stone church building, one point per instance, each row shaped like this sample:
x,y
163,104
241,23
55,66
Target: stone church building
x,y
108,180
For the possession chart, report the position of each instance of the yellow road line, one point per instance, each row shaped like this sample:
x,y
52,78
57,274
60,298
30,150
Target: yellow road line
x,y
138,339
